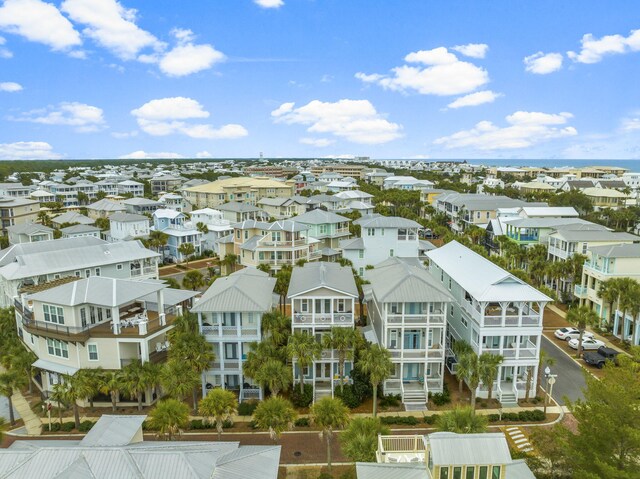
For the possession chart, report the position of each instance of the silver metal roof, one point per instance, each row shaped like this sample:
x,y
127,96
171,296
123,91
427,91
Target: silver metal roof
x,y
106,205
519,469
319,217
127,217
72,217
237,207
76,229
320,274
449,448
594,235
55,367
379,221
246,290
396,281
484,280
98,290
353,243
113,431
29,229
617,251
372,470
10,254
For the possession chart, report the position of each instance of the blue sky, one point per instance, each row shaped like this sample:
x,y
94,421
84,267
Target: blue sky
x,y
316,78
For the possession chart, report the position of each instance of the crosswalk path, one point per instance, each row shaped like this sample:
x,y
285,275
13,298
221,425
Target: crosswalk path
x,y
519,438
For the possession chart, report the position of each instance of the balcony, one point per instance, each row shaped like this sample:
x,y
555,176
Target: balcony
x,y
432,353
401,448
230,331
56,331
152,326
435,318
328,319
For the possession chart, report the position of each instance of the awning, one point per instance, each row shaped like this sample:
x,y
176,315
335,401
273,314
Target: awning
x,y
55,367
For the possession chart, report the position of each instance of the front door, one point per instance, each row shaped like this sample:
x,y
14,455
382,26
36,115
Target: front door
x,y
323,371
412,339
411,372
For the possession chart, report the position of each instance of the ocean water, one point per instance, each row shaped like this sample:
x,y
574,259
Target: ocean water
x,y
631,165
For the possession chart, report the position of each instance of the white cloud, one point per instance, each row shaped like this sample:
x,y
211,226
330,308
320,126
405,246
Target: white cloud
x,y
631,124
124,135
204,154
187,58
354,120
525,129
143,155
27,150
4,52
317,142
112,26
442,74
473,50
594,49
543,63
474,99
166,116
84,118
10,86
40,22
269,3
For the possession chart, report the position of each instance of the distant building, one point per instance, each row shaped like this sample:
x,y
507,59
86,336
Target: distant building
x,y
79,231
18,211
344,169
242,189
130,187
29,233
127,226
175,225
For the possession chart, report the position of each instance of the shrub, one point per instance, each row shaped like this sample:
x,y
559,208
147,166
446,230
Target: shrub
x,y
55,427
390,400
85,426
361,385
246,408
253,425
440,399
430,419
348,396
522,416
303,399
302,422
483,403
228,424
400,420
198,424
67,426
325,475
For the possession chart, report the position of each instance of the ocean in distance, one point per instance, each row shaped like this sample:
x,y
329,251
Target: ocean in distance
x,y
631,165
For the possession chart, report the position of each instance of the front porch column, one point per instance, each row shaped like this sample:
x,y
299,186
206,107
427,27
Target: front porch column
x,y
115,319
161,315
144,352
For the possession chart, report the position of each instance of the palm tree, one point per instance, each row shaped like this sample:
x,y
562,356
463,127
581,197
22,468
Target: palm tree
x,y
22,360
628,303
3,426
69,394
193,280
264,267
343,341
283,278
609,294
186,250
304,350
259,353
9,381
111,384
275,375
277,326
137,378
59,395
229,262
276,415
460,348
375,361
462,420
218,406
158,240
329,414
359,440
87,382
202,227
581,318
489,367
545,360
169,418
470,365
179,379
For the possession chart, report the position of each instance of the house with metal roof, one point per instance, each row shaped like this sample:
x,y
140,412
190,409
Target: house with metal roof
x,y
179,230
406,183
230,315
78,231
283,208
493,311
354,200
97,322
104,208
407,310
115,449
326,226
236,212
17,210
29,233
217,227
444,455
323,296
380,238
127,226
72,217
141,206
242,189
130,187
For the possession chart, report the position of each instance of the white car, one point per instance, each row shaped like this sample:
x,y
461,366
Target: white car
x,y
571,333
587,344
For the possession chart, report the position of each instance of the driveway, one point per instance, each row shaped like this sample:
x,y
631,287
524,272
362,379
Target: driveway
x,y
570,380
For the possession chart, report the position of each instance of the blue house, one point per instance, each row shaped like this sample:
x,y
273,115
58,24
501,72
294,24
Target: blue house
x,y
179,230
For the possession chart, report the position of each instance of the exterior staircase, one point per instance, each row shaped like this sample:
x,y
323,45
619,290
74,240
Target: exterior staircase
x,y
508,399
321,392
414,398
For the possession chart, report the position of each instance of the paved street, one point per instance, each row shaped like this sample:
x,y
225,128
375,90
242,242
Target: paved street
x,y
570,380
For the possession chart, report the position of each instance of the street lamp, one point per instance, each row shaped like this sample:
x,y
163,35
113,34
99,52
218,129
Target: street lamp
x,y
551,379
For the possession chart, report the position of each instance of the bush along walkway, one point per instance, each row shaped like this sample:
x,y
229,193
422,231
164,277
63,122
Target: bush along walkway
x,y
32,422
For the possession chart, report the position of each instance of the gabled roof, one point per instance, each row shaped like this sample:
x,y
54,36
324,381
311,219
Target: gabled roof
x,y
396,281
106,205
29,229
246,290
372,470
140,202
481,278
10,254
617,251
127,217
322,275
594,235
236,207
379,221
353,195
78,229
98,290
352,244
448,448
319,217
72,217
550,211
167,213
113,431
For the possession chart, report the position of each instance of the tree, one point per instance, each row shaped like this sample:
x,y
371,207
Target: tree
x,y
218,406
87,382
186,250
43,218
229,262
359,440
489,367
158,240
83,198
259,353
304,350
22,360
276,415
103,223
264,267
172,283
329,414
581,318
470,365
111,384
283,278
276,326
10,380
545,361
69,394
169,418
460,348
193,280
275,375
342,341
375,361
551,460
138,378
3,426
462,420
179,379
101,195
609,294
202,227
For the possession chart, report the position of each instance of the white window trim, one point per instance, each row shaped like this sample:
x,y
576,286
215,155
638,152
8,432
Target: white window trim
x,y
89,352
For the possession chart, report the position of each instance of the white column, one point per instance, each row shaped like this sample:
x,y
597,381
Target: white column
x,y
115,318
161,314
144,351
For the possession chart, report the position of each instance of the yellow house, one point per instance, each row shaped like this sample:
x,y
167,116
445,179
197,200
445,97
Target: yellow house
x,y
605,198
241,189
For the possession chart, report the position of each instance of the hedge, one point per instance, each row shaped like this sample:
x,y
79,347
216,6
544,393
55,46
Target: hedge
x,y
400,420
521,416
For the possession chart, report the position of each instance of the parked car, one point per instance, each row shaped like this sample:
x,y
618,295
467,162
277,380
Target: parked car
x,y
571,333
600,357
587,344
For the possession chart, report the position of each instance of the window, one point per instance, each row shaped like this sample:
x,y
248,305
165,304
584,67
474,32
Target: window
x,y
449,284
340,305
92,313
360,271
97,271
53,314
83,316
77,273
92,349
57,348
360,253
484,471
371,231
450,310
444,473
87,273
100,317
495,472
231,351
457,472
464,321
118,267
471,470
390,252
304,305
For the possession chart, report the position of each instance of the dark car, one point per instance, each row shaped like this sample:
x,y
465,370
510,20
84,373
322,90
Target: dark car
x,y
600,357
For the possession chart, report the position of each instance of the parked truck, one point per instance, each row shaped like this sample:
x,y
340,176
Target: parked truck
x,y
600,357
